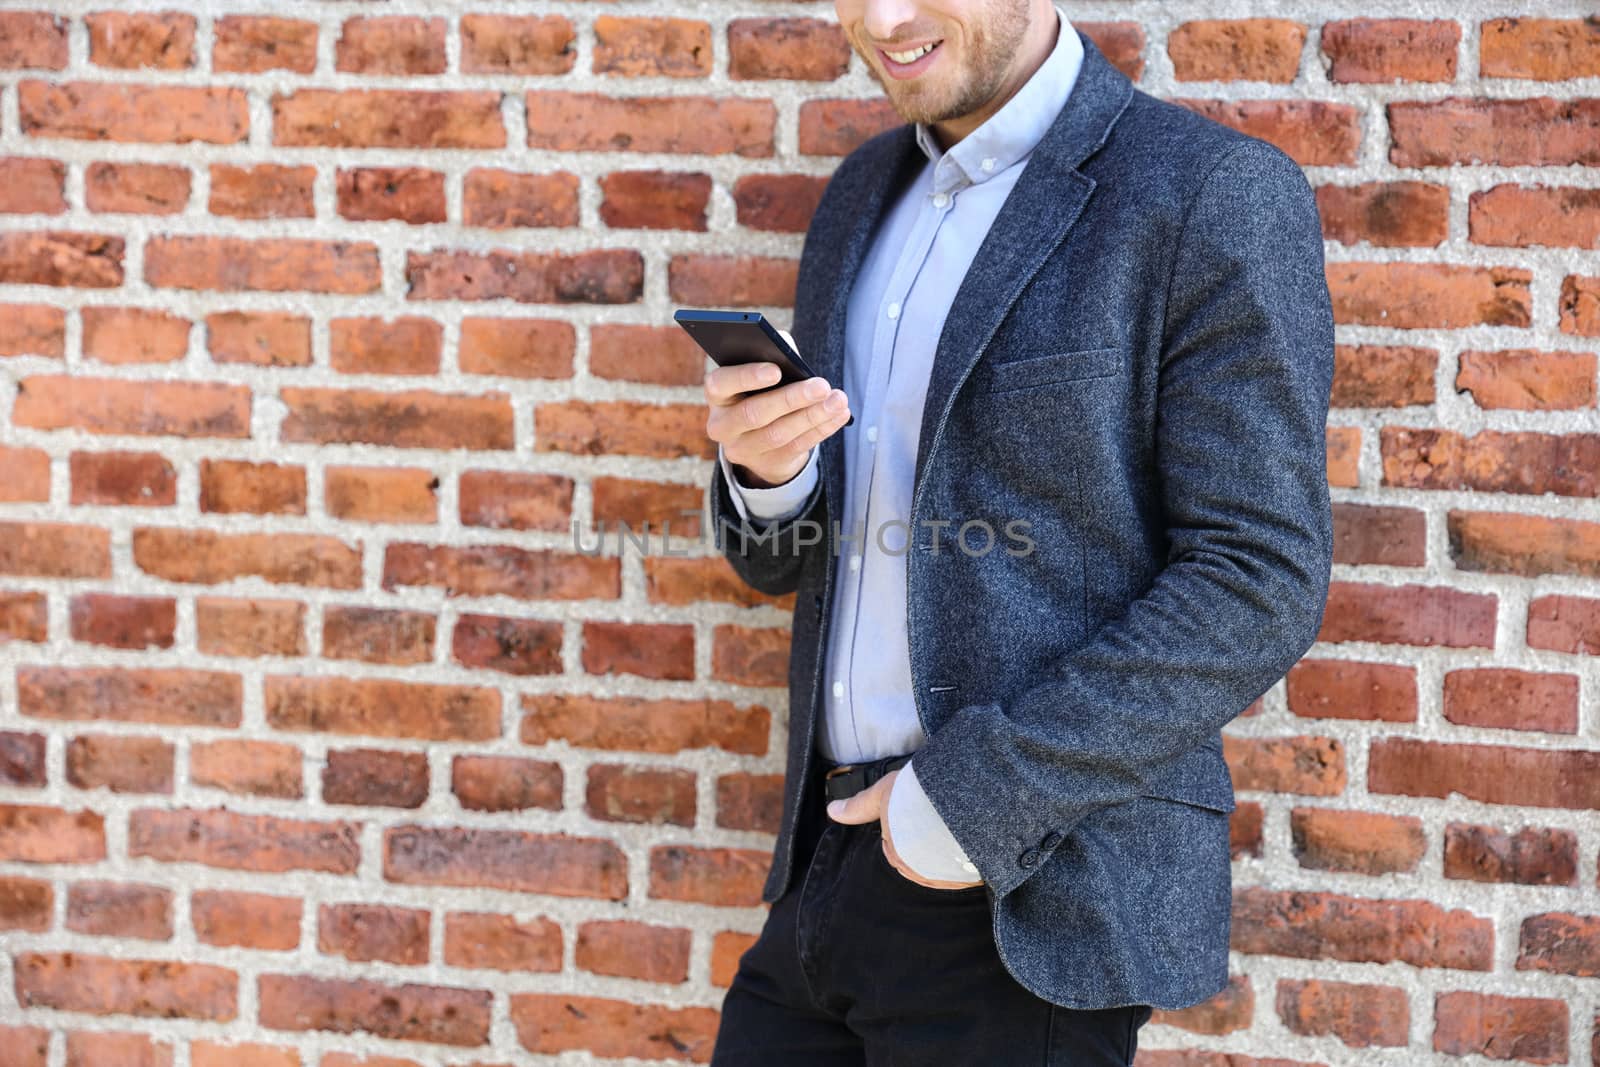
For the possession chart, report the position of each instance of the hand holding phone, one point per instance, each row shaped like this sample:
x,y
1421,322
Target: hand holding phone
x,y
767,410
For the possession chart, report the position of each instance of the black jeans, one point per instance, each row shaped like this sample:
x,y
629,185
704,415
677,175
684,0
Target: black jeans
x,y
858,965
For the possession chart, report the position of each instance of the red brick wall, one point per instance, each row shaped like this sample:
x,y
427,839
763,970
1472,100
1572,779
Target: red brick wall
x,y
322,323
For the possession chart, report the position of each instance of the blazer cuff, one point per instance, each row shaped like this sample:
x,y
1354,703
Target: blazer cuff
x,y
785,500
921,837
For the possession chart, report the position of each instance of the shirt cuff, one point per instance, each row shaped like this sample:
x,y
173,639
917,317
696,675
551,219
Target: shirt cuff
x,y
785,500
920,836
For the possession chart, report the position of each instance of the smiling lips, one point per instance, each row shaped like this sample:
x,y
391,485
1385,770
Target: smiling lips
x,y
912,61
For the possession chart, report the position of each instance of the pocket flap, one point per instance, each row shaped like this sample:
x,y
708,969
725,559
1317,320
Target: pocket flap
x,y
1051,367
1200,778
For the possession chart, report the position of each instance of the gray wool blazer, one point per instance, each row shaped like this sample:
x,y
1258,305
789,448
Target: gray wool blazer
x,y
1137,365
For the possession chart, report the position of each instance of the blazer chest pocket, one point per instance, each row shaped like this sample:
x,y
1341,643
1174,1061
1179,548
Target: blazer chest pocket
x,y
1051,367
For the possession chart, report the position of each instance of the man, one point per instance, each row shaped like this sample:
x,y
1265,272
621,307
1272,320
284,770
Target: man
x,y
1095,325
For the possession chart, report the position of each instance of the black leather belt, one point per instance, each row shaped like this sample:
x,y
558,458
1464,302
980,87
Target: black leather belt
x,y
848,779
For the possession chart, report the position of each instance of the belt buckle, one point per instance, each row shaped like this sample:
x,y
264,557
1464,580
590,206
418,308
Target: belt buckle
x,y
841,769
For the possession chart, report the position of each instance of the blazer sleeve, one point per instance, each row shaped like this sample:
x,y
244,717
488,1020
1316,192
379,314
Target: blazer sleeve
x,y
1242,399
768,553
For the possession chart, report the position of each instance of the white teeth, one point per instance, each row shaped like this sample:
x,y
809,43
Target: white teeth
x,y
909,57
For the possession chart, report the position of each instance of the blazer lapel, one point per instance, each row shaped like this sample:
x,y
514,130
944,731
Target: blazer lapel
x,y
1033,221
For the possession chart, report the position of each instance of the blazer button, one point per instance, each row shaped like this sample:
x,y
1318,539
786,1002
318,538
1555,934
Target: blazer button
x,y
1029,858
1051,840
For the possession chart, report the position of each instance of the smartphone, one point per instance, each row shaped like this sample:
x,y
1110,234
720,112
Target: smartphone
x,y
734,337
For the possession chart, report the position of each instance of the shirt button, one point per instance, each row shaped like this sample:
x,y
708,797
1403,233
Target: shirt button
x,y
894,310
988,164
855,562
1029,858
872,433
940,199
838,690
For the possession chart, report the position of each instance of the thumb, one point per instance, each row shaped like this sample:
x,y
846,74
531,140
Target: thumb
x,y
854,809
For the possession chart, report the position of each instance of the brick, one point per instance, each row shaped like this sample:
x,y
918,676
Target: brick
x,y
32,39
259,338
1560,944
116,406
25,904
411,1011
1383,376
1579,305
375,778
1525,379
778,203
156,40
1249,49
1380,536
1542,49
1385,51
32,186
711,579
506,44
170,696
391,44
1564,624
501,199
412,195
1490,461
652,47
254,44
136,188
703,125
1408,615
1328,926
1344,456
512,646
36,833
655,200
236,841
27,481
1349,689
29,1046
1308,766
245,487
1528,545
387,118
627,949
55,257
555,864
727,946
1539,132
1359,842
1446,296
639,724
506,783
749,801
102,985
1530,856
407,344
378,635
207,557
410,418
622,427
381,494
54,550
122,479
732,281
502,570
129,113
366,932
796,49
269,264
248,768
558,1022
653,796
22,755
1226,1012
241,1054
597,276
257,921
722,877
226,626
381,707
1515,216
123,621
839,127
120,335
750,655
486,941
650,650
38,330
517,348
1528,1029
120,764
1493,774
516,500
120,909
86,1048
1244,830
1313,133
1503,698
1362,1016
263,191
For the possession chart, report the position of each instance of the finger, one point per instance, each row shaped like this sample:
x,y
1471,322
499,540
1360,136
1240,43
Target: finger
x,y
852,810
724,385
794,433
752,413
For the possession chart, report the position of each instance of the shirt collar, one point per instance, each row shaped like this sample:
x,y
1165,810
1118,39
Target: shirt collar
x,y
1012,132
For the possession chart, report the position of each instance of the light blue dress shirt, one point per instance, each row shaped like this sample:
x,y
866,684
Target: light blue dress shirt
x,y
897,311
